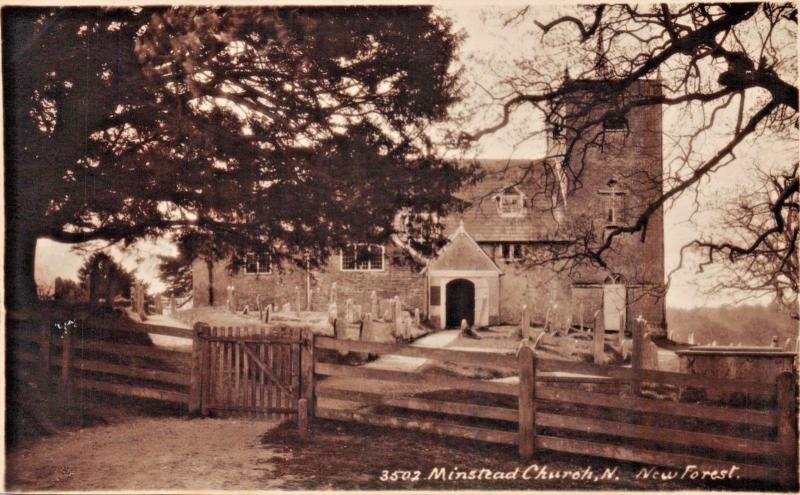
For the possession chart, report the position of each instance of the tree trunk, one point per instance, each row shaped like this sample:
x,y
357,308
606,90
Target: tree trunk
x,y
19,271
210,266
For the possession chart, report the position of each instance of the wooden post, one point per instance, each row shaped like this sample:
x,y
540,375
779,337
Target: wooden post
x,y
637,359
599,338
526,404
205,370
302,418
44,349
66,365
307,381
787,429
195,381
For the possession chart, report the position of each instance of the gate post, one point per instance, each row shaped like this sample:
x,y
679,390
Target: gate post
x,y
66,366
44,348
526,404
307,403
787,429
195,381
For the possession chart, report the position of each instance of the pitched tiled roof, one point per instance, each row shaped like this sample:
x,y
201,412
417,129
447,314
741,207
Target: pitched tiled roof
x,y
462,253
483,221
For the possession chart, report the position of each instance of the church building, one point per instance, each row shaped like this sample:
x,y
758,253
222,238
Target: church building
x,y
521,213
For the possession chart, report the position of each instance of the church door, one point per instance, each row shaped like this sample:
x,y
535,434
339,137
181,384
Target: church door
x,y
460,301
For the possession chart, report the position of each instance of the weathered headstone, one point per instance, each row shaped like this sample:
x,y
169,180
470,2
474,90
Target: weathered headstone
x,y
417,316
268,313
333,293
373,303
333,312
788,344
367,328
397,316
525,323
580,316
348,311
774,341
357,313
173,305
229,302
159,306
599,338
691,338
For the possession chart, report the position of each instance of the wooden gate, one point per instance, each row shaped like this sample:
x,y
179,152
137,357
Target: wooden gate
x,y
254,372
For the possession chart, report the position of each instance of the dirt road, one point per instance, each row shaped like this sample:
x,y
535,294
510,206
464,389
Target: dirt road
x,y
148,454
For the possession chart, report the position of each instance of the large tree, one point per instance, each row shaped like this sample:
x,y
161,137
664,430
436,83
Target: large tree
x,y
728,77
297,129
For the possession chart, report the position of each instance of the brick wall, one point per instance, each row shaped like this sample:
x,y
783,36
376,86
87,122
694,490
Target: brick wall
x,y
288,284
398,278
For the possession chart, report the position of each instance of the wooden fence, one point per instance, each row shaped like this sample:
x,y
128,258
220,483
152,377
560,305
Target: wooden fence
x,y
554,406
64,355
260,372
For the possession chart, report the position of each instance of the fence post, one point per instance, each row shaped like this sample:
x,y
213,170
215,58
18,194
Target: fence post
x,y
637,359
599,337
66,365
44,349
787,429
526,405
196,382
307,384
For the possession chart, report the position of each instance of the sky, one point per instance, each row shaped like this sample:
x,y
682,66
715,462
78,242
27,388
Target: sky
x,y
489,52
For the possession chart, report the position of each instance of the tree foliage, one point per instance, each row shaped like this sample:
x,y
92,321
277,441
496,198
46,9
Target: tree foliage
x,y
102,278
297,129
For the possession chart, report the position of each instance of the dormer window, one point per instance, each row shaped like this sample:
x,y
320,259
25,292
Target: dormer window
x,y
510,203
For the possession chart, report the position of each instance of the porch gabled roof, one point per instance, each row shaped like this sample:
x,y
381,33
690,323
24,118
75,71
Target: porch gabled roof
x,y
463,253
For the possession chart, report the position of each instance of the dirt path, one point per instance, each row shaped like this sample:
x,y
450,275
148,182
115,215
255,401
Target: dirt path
x,y
148,454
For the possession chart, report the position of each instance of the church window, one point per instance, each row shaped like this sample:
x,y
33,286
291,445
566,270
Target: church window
x,y
362,257
511,251
615,122
614,207
256,263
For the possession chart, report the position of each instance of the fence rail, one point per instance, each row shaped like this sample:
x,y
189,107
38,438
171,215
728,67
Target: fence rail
x,y
633,427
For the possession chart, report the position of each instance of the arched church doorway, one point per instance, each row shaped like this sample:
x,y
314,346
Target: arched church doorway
x,y
460,301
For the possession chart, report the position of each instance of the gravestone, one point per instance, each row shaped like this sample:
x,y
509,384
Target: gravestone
x,y
230,303
173,306
417,316
397,316
159,305
599,338
333,293
373,303
286,308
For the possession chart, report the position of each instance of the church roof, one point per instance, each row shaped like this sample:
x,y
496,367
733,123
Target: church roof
x,y
463,253
482,219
